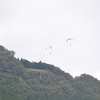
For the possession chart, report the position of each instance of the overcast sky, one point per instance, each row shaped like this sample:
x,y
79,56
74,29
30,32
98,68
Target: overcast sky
x,y
28,26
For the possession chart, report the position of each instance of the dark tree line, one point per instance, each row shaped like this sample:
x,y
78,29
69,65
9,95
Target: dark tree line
x,y
25,80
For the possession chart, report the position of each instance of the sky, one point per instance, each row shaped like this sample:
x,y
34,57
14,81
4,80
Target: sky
x,y
29,26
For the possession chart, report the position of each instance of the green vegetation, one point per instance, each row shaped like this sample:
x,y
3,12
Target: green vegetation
x,y
25,80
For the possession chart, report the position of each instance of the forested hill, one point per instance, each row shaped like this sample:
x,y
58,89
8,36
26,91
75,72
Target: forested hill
x,y
21,79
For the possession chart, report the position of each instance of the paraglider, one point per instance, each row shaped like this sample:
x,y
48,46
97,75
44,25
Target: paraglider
x,y
70,40
49,49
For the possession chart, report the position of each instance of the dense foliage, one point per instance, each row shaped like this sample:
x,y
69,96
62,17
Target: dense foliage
x,y
25,80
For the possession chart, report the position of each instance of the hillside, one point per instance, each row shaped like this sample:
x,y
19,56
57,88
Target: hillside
x,y
40,81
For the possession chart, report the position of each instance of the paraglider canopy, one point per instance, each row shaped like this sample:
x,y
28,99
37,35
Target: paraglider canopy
x,y
48,47
70,39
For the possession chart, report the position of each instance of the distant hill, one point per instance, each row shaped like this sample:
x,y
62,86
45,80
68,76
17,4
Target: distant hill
x,y
25,80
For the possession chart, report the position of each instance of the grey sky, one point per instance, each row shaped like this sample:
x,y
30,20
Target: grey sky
x,y
28,26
